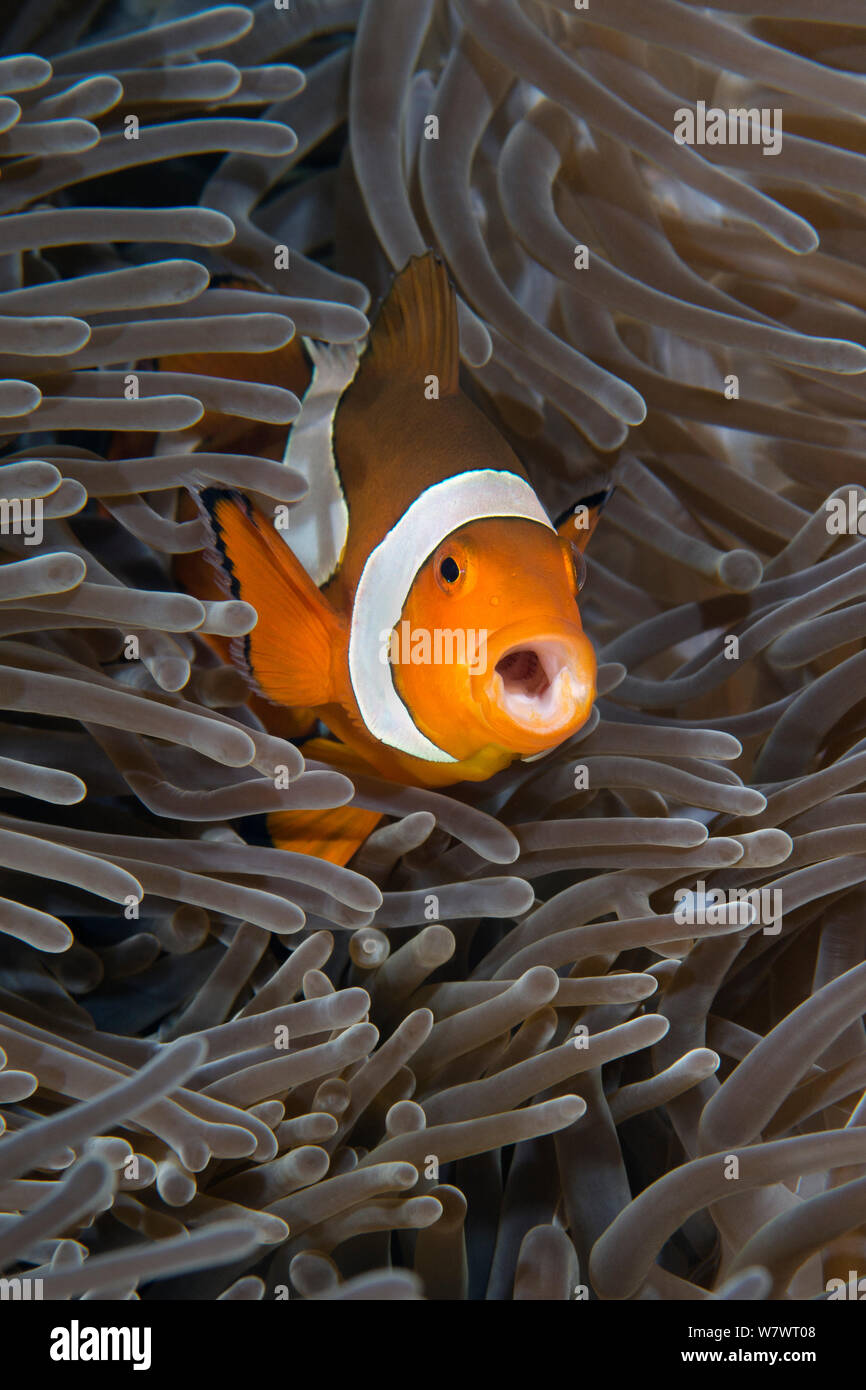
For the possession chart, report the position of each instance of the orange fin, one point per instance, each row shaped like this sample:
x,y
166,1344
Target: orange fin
x,y
416,332
292,653
334,834
339,756
579,522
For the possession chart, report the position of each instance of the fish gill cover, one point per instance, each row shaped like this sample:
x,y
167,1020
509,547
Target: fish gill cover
x,y
592,1028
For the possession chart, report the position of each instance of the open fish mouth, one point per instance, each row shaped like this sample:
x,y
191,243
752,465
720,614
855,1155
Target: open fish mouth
x,y
538,689
538,683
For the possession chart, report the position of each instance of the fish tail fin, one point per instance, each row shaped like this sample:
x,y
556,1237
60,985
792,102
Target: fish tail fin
x,y
334,834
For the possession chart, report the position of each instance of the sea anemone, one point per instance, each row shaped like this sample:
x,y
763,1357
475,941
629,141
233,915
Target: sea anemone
x,y
509,1051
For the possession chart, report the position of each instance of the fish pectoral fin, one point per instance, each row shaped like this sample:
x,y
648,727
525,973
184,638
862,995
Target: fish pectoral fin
x,y
334,834
339,756
579,522
292,653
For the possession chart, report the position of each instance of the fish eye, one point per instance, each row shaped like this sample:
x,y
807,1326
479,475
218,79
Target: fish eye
x,y
451,566
449,569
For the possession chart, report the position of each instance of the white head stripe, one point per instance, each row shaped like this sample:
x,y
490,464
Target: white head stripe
x,y
319,524
387,578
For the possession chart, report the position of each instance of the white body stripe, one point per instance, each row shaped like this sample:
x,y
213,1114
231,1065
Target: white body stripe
x,y
387,578
318,525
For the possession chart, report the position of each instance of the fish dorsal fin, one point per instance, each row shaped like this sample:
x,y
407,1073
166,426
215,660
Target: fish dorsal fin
x,y
416,333
578,523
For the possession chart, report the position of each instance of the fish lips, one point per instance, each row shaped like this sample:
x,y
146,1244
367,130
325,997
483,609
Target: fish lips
x,y
537,684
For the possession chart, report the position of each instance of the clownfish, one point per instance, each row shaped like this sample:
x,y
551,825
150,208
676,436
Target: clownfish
x,y
419,603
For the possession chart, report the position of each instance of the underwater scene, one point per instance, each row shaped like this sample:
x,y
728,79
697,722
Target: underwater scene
x,y
433,655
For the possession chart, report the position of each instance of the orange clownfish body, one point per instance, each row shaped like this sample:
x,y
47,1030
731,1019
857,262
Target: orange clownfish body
x,y
419,602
